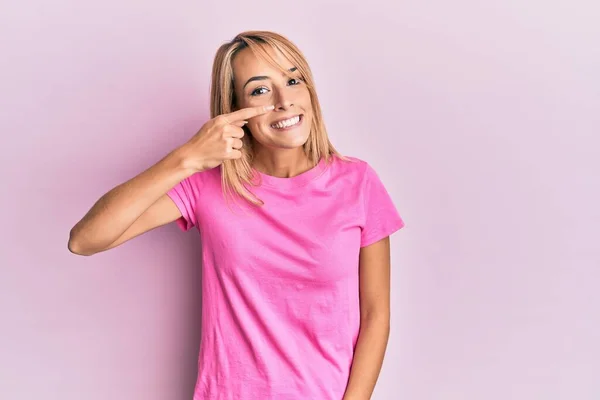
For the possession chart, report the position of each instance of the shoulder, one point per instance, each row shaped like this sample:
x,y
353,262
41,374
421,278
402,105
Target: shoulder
x,y
203,182
347,163
350,166
356,173
207,177
347,175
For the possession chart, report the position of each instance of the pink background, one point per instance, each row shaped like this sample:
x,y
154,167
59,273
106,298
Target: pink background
x,y
482,118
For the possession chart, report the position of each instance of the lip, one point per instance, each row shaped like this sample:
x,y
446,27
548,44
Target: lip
x,y
286,118
288,127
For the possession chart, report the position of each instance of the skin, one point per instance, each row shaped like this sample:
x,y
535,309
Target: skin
x,y
141,204
374,286
278,153
281,154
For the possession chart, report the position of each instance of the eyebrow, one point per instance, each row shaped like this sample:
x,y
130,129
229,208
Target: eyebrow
x,y
262,78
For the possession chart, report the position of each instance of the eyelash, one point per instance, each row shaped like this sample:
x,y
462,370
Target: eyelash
x,y
254,92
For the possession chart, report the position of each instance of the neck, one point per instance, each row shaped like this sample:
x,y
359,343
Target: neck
x,y
283,163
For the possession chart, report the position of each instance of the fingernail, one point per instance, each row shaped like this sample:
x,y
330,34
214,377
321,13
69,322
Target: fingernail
x,y
269,107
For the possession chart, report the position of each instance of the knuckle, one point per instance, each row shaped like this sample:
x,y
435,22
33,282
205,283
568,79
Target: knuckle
x,y
220,120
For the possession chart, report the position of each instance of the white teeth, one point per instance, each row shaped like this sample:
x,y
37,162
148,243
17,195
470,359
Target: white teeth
x,y
287,123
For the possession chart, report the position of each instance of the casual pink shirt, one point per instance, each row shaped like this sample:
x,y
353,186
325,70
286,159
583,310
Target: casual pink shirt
x,y
280,304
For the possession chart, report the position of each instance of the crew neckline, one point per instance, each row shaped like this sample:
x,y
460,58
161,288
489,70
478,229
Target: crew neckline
x,y
294,181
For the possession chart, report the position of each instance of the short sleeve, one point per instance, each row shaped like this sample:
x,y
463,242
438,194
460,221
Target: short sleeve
x,y
184,195
381,217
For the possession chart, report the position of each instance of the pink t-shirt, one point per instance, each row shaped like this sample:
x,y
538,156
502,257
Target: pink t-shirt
x,y
280,294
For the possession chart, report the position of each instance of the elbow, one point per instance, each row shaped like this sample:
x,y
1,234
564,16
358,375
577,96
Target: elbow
x,y
76,247
376,316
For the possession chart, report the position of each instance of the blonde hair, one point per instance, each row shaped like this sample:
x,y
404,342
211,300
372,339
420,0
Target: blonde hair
x,y
238,175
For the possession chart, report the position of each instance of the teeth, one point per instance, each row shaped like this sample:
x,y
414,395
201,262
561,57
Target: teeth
x,y
286,123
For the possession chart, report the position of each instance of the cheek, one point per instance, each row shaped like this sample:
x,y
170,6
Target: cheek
x,y
306,101
257,124
242,102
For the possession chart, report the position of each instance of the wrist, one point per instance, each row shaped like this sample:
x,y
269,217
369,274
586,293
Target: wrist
x,y
183,160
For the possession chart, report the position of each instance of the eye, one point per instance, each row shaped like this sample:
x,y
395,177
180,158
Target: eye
x,y
258,91
294,81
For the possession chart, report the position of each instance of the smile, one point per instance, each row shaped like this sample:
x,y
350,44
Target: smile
x,y
287,123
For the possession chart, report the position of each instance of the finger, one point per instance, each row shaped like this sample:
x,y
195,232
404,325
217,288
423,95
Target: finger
x,y
245,113
236,144
234,155
239,123
232,131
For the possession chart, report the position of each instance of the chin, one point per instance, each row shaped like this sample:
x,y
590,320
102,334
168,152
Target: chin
x,y
278,141
286,144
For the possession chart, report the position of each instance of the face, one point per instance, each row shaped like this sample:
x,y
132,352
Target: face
x,y
257,83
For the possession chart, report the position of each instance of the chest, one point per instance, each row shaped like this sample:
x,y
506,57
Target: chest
x,y
314,236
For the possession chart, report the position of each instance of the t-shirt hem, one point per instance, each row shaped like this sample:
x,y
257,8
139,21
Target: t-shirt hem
x,y
183,222
375,237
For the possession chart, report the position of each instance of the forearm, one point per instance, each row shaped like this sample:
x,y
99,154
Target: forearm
x,y
118,209
368,357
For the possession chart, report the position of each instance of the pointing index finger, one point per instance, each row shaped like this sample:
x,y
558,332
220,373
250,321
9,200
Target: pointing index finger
x,y
249,112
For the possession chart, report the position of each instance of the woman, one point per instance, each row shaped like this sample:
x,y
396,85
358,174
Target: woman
x,y
295,237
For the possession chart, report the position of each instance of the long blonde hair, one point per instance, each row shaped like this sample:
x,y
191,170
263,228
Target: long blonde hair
x,y
238,175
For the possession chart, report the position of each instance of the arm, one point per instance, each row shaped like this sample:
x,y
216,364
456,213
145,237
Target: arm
x,y
141,204
374,286
130,209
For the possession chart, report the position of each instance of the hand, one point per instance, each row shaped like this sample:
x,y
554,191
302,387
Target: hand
x,y
219,139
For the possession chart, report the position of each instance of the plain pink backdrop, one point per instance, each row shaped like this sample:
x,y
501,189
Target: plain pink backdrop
x,y
481,117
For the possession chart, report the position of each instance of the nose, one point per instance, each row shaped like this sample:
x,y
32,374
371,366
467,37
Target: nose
x,y
283,101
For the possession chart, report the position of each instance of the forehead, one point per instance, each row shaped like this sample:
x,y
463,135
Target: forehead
x,y
246,64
